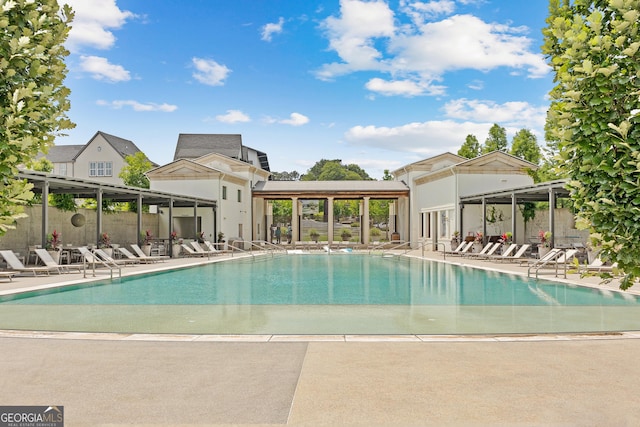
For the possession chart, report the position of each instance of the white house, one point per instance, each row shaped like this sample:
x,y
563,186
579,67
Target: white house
x,y
438,182
212,176
100,159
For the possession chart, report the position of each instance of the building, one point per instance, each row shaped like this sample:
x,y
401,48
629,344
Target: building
x,y
100,159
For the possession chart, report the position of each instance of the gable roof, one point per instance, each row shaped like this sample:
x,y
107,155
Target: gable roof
x,y
194,145
427,165
61,153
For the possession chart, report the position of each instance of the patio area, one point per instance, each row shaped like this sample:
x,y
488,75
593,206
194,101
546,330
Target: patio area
x,y
138,379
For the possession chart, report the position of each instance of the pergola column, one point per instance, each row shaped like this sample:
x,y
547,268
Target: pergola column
x,y
139,217
364,221
552,222
329,210
295,216
171,227
98,214
514,206
484,219
45,213
268,221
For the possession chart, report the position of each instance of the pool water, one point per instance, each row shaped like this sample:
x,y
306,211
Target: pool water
x,y
324,294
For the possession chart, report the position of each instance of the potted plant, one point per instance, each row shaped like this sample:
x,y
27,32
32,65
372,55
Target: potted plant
x,y
54,243
145,242
314,235
175,244
506,239
105,244
346,235
455,239
477,242
545,243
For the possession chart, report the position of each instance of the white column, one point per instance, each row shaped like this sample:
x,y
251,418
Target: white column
x,y
365,220
329,219
295,215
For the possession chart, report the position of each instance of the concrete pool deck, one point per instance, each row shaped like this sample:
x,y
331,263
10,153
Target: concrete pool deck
x,y
137,379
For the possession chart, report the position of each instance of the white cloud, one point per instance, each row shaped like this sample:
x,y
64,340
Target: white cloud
x,y
295,119
210,72
403,87
138,106
101,69
93,23
233,116
367,36
514,113
272,28
425,138
352,36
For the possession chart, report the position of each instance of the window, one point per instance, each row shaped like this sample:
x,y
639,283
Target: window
x,y
100,168
239,195
63,169
224,192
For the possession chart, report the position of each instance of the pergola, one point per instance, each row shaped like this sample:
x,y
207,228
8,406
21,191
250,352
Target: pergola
x,y
549,191
45,184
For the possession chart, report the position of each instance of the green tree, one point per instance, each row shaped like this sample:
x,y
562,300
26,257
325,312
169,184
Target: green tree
x,y
387,175
334,170
525,146
285,176
471,147
593,47
496,141
133,172
33,99
64,202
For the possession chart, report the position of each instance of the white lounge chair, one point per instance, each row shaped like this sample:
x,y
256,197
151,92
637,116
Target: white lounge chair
x,y
129,255
48,261
13,263
465,249
201,250
488,250
518,256
141,254
105,257
188,251
506,254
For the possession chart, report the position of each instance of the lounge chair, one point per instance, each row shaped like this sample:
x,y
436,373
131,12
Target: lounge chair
x,y
7,275
518,256
129,255
213,248
598,265
190,252
105,257
48,261
91,259
465,249
506,254
141,254
201,250
488,250
13,263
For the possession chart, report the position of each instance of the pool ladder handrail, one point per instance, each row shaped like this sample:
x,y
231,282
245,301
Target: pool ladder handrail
x,y
544,262
97,260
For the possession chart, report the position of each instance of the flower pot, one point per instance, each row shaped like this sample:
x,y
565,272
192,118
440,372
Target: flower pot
x,y
108,251
477,247
55,255
146,249
175,250
543,250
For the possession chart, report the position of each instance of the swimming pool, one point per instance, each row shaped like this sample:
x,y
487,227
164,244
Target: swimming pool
x,y
322,294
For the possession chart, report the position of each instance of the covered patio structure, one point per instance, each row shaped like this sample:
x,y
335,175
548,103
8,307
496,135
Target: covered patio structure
x,y
45,184
549,191
296,191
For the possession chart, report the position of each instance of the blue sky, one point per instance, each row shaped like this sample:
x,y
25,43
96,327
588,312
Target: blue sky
x,y
378,83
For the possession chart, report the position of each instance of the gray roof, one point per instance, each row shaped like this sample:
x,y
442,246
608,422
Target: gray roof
x,y
334,188
192,146
121,145
62,153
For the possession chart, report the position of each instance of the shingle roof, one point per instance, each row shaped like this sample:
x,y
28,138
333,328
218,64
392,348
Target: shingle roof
x,y
62,153
191,146
121,145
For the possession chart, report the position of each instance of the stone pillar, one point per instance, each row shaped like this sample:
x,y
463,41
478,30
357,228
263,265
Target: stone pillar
x,y
364,224
295,216
329,210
